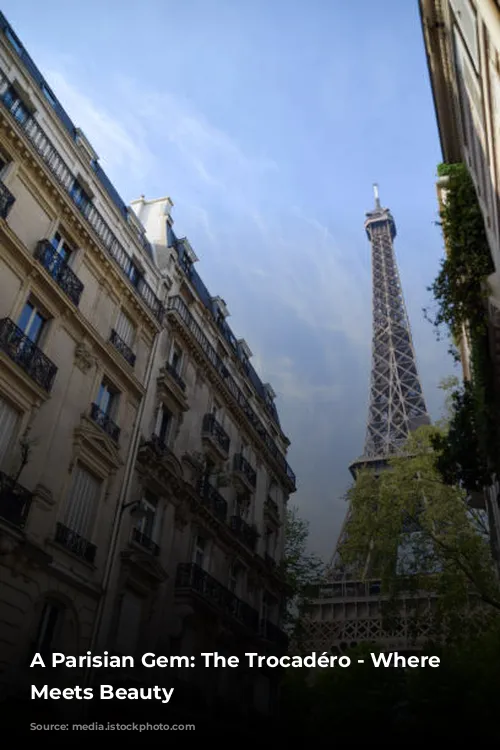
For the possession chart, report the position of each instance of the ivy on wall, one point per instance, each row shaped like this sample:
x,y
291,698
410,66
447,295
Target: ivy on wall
x,y
470,450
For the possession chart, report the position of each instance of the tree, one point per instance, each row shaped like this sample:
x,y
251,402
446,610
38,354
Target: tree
x,y
302,570
421,534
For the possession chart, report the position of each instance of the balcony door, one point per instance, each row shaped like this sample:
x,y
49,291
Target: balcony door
x,y
32,322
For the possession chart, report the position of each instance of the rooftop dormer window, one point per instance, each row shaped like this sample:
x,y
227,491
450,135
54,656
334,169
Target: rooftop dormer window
x,y
49,95
14,41
80,196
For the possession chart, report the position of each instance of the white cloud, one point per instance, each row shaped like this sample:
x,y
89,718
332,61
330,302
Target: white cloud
x,y
118,147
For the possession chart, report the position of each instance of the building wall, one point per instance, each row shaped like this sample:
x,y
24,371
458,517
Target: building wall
x,y
463,47
198,603
103,512
52,551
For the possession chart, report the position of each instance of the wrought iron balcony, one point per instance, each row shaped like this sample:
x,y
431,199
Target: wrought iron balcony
x,y
75,543
175,376
145,542
213,500
105,422
15,501
243,468
193,578
273,633
213,429
58,268
245,533
46,150
177,306
6,201
26,354
123,348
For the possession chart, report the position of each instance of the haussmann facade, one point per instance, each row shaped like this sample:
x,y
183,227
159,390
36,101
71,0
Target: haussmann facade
x,y
144,479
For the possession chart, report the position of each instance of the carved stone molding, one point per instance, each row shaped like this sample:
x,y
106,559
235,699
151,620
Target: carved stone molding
x,y
43,497
83,358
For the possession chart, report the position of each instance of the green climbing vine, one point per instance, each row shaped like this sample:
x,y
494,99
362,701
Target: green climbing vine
x,y
469,451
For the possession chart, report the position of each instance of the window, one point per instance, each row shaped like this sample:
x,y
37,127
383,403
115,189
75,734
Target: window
x,y
79,196
49,628
83,498
233,579
216,411
176,358
270,542
164,424
61,247
125,329
242,505
199,556
9,419
14,41
134,273
32,322
49,95
107,399
148,524
129,624
15,104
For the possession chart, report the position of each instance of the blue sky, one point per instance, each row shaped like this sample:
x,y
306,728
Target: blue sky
x,y
267,123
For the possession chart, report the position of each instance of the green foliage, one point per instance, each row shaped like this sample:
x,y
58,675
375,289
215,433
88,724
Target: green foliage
x,y
302,569
461,458
411,514
459,286
470,447
456,700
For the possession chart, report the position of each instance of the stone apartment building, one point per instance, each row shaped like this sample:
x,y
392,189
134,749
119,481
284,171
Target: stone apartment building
x,y
144,478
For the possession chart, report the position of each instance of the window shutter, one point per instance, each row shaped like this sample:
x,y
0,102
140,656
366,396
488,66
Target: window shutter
x,y
9,418
82,502
125,328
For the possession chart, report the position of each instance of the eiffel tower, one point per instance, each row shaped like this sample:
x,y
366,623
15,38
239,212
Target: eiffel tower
x,y
397,405
348,609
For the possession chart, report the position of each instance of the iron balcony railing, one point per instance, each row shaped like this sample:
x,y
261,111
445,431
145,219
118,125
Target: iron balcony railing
x,y
66,179
123,348
212,427
6,201
241,465
75,543
105,422
212,499
245,533
192,577
172,371
15,501
58,268
146,542
177,305
26,354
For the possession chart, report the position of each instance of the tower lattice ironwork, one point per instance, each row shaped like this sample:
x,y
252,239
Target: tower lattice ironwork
x,y
397,404
349,609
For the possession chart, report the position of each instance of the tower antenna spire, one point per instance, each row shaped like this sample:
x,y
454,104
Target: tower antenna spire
x,y
375,193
